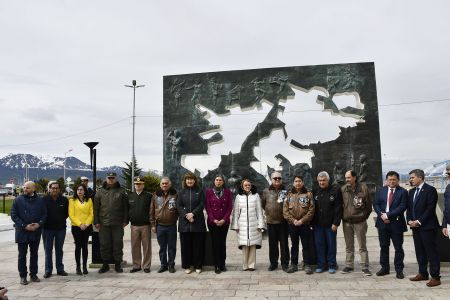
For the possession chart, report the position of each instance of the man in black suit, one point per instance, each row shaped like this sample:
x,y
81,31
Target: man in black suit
x,y
422,219
446,220
390,205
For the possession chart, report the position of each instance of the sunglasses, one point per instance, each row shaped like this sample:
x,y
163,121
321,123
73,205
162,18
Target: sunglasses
x,y
276,178
448,173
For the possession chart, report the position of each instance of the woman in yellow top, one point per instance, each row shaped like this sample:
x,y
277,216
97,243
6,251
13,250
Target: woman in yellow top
x,y
81,215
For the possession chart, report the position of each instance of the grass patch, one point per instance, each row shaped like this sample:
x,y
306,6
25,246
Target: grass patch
x,y
8,203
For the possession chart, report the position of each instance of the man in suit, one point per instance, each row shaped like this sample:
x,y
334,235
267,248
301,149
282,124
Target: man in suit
x,y
390,205
422,219
446,203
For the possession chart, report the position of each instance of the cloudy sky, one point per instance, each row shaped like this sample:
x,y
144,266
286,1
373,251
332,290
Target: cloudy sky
x,y
63,66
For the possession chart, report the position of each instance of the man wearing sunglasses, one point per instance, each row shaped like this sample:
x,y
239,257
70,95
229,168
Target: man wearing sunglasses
x,y
277,229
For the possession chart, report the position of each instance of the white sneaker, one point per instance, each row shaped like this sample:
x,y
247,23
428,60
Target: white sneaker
x,y
187,271
198,271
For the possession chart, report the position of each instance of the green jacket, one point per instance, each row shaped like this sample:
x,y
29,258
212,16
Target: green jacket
x,y
139,205
111,206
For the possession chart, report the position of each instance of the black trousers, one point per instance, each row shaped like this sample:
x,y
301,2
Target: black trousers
x,y
192,249
278,234
304,232
219,244
426,252
385,236
22,261
81,238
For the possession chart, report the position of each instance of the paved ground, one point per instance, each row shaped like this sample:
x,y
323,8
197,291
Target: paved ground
x,y
234,284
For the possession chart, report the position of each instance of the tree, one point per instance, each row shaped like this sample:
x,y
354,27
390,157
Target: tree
x,y
62,184
151,183
41,185
126,174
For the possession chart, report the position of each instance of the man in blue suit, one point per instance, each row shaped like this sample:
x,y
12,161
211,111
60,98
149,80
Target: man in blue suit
x,y
422,219
390,205
446,203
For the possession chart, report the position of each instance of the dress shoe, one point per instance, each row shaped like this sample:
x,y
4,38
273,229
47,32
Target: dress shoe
x,y
223,269
272,268
434,282
79,271
62,273
147,270
104,269
171,269
284,267
217,270
162,269
251,269
292,269
34,278
134,270
23,281
85,270
118,267
346,270
400,275
47,274
308,270
382,272
418,277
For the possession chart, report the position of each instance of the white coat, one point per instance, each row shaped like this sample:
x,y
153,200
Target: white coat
x,y
248,219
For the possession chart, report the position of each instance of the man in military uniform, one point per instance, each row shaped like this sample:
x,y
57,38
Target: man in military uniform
x,y
110,217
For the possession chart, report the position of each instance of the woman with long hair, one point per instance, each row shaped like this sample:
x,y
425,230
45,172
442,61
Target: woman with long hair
x,y
191,224
248,222
218,207
81,215
298,210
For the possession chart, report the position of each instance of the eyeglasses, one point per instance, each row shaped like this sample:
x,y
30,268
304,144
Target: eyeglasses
x,y
276,178
448,173
80,190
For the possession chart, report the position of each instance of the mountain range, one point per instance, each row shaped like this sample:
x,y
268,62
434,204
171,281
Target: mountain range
x,y
13,166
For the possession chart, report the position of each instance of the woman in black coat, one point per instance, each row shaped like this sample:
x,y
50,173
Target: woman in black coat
x,y
191,224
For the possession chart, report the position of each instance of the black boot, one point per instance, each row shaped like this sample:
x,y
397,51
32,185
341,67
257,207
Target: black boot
x,y
118,267
79,270
85,270
104,268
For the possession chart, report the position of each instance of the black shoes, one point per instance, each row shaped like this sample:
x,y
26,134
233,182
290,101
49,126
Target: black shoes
x,y
366,272
104,269
23,281
400,275
171,269
382,272
62,273
147,270
285,267
79,271
272,268
223,269
217,270
134,270
34,278
47,274
346,270
162,269
292,269
118,267
85,270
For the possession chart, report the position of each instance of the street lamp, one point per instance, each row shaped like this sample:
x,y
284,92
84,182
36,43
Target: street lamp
x,y
134,87
64,165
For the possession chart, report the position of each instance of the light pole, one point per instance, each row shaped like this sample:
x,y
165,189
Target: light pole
x,y
64,164
134,87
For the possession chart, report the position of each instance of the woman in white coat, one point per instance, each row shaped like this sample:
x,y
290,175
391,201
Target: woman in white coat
x,y
248,222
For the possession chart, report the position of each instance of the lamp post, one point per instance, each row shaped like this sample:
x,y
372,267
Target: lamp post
x,y
134,87
64,165
96,258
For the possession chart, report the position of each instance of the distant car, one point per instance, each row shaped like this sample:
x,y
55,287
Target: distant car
x,y
4,191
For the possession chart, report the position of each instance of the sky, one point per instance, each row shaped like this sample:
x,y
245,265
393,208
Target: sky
x,y
64,64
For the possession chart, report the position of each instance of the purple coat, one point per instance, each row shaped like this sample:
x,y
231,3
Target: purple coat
x,y
218,208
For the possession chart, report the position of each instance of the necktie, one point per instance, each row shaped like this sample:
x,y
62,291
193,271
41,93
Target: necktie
x,y
416,194
391,196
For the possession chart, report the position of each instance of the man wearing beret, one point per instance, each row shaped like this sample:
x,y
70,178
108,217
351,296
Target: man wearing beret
x,y
110,217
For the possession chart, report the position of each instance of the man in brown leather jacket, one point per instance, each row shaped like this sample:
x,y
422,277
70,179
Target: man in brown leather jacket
x,y
277,229
357,207
163,220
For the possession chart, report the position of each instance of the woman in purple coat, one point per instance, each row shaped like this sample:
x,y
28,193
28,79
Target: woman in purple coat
x,y
219,206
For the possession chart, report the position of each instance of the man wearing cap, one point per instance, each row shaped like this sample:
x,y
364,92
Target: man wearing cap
x,y
110,217
90,192
163,219
139,212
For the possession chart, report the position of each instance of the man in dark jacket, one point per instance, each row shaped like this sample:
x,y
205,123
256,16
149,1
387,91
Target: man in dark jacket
x,y
277,229
446,219
111,217
327,218
28,213
357,207
139,205
54,232
163,219
390,205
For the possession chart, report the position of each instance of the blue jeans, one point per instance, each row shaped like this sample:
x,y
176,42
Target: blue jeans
x,y
54,237
167,240
22,259
325,240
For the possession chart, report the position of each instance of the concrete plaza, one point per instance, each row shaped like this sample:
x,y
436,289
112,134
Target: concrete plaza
x,y
233,284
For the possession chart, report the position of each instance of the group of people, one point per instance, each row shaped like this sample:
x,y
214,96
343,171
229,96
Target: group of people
x,y
298,213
